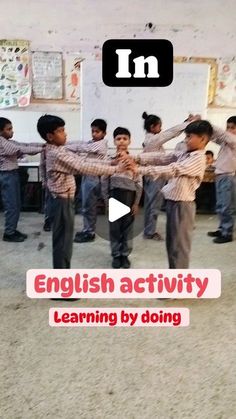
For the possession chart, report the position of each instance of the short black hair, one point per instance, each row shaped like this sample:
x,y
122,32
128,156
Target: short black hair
x,y
121,131
150,120
199,128
231,120
210,153
47,124
4,122
99,123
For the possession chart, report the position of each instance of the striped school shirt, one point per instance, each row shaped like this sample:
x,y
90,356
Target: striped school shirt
x,y
185,172
124,180
94,149
154,142
62,165
11,150
226,159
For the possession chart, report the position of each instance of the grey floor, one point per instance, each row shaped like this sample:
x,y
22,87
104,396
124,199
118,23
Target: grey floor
x,y
103,373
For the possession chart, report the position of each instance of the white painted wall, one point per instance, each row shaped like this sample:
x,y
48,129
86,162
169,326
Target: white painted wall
x,y
196,28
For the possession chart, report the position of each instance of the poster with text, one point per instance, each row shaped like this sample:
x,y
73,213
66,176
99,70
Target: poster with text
x,y
15,87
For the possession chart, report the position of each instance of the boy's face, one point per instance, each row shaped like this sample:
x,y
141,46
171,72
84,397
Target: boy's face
x,y
209,159
97,133
122,142
231,127
7,131
58,137
155,128
196,142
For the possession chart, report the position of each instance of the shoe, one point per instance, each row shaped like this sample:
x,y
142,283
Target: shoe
x,y
18,233
47,226
116,263
216,233
125,262
223,239
12,238
83,237
155,236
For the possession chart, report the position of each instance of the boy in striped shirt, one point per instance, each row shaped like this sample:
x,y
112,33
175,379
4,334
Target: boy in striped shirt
x,y
61,166
10,151
185,171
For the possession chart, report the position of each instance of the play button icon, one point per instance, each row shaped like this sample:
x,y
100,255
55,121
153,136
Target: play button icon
x,y
116,210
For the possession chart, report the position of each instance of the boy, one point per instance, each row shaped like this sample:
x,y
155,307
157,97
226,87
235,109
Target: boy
x,y
185,171
10,151
122,187
90,148
61,166
91,185
225,167
153,198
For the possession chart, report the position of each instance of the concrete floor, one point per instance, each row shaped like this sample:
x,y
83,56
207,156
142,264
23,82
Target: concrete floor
x,y
118,373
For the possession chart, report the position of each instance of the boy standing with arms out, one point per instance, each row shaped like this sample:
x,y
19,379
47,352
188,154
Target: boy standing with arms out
x,y
10,151
185,171
91,185
225,167
122,187
155,138
61,166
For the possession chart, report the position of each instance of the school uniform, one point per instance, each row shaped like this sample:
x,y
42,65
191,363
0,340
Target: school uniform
x,y
124,188
79,147
61,166
225,168
10,151
185,172
91,188
153,197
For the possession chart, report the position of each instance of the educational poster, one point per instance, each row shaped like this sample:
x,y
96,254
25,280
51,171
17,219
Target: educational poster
x,y
226,83
73,78
47,75
15,87
213,72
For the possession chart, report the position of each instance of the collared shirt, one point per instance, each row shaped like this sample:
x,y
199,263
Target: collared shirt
x,y
226,159
93,149
185,172
11,150
62,165
154,142
124,180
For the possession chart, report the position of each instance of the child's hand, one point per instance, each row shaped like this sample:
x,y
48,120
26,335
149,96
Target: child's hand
x,y
134,209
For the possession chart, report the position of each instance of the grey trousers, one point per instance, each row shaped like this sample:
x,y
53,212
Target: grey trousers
x,y
91,191
224,203
121,230
153,199
10,190
62,214
179,229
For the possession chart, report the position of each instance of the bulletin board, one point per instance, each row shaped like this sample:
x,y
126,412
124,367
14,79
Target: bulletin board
x,y
212,62
226,82
72,77
47,75
15,87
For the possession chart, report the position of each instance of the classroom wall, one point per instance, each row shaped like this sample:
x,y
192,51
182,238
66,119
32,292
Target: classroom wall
x,y
195,29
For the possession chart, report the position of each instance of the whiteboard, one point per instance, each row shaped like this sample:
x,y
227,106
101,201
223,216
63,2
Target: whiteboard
x,y
123,106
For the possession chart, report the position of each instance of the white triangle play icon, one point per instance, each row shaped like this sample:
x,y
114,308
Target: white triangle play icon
x,y
116,210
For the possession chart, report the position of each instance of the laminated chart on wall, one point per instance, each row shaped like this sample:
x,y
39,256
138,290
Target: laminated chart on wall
x,y
226,82
15,86
73,77
47,75
212,62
